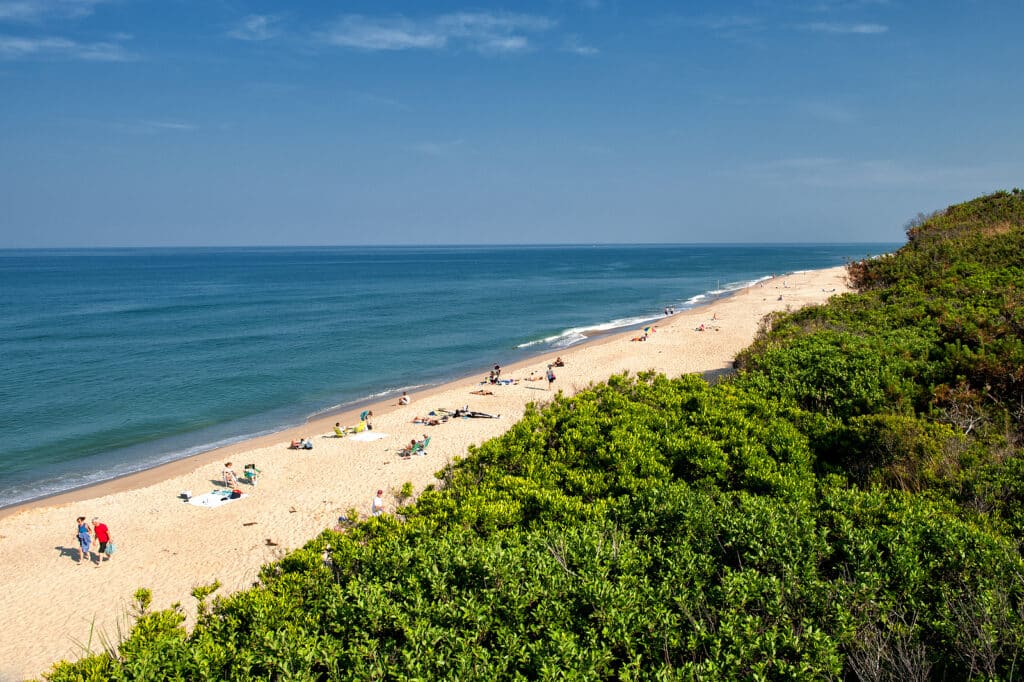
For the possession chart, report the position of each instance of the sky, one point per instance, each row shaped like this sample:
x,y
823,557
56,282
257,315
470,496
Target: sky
x,y
228,122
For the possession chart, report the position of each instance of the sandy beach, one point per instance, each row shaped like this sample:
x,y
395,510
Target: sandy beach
x,y
56,607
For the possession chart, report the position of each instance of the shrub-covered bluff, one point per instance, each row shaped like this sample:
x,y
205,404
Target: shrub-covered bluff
x,y
847,506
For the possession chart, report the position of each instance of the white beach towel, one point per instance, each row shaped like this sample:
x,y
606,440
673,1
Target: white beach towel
x,y
368,435
217,498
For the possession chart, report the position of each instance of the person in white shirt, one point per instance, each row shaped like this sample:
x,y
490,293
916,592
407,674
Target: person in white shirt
x,y
377,508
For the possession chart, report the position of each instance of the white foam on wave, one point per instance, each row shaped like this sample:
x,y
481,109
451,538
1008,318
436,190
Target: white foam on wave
x,y
67,482
371,397
576,335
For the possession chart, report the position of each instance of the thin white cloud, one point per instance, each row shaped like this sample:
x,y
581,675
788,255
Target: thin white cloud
x,y
366,33
482,31
152,127
840,28
830,112
256,27
741,28
36,10
572,44
17,48
438,149
844,5
873,174
725,22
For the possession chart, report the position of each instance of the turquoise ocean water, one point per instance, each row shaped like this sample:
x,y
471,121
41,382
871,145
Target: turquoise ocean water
x,y
113,361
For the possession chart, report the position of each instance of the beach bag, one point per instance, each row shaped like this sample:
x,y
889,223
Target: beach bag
x,y
235,494
111,548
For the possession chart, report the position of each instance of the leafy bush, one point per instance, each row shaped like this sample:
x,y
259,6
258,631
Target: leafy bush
x,y
849,506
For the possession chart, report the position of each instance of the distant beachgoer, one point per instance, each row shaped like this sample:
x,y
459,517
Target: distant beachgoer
x,y
84,540
550,376
229,476
364,417
103,538
307,443
714,316
701,327
377,507
558,362
295,445
473,414
404,400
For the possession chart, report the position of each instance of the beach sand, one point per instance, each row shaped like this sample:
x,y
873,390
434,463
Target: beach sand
x,y
55,607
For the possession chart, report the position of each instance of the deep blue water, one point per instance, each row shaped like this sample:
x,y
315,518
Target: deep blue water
x,y
116,360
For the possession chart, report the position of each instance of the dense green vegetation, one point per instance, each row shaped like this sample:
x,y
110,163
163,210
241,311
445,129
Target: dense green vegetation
x,y
848,506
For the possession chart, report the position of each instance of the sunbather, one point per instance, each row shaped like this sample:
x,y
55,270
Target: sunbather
x,y
409,449
473,414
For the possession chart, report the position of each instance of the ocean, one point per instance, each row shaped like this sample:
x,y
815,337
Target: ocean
x,y
117,360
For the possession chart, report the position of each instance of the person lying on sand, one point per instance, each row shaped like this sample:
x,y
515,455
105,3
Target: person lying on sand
x,y
473,414
482,392
429,421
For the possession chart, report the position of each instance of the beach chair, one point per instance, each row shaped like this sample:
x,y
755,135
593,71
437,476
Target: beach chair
x,y
360,427
420,448
251,474
339,433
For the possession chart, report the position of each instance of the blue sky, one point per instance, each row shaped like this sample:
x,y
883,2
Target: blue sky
x,y
226,122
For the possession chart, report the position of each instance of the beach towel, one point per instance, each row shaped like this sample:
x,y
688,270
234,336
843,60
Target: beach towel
x,y
368,435
217,498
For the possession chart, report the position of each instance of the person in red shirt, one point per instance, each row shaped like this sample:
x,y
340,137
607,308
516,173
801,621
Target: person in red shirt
x,y
102,533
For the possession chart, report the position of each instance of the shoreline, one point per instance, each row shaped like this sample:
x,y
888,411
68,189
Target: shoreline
x,y
183,465
171,547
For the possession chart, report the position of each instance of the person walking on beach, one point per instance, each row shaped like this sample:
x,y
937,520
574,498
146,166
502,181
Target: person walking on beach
x,y
550,376
103,538
84,541
377,507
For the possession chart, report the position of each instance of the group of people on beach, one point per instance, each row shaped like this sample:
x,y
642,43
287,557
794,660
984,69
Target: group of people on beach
x,y
86,535
250,472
